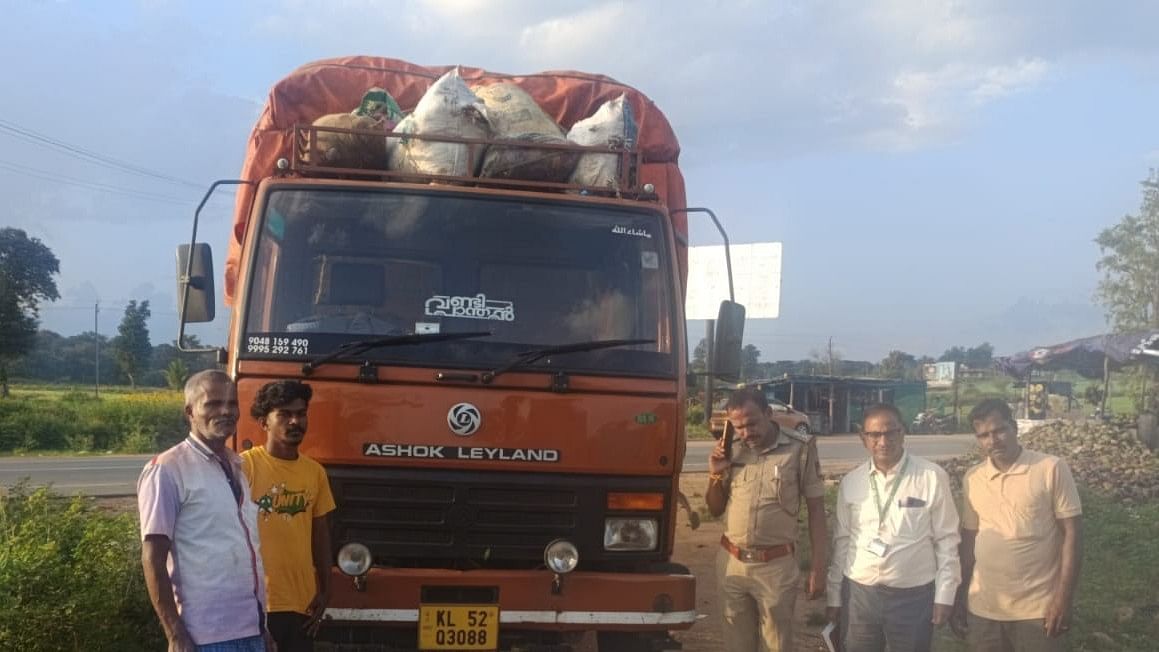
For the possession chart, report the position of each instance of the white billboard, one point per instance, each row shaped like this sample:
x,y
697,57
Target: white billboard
x,y
939,374
756,275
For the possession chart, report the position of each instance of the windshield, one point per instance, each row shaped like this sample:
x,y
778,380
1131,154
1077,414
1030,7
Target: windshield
x,y
333,266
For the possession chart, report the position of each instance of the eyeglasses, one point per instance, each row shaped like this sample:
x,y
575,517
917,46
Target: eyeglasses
x,y
886,434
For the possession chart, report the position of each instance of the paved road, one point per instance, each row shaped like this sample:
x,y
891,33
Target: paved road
x,y
844,450
107,475
113,475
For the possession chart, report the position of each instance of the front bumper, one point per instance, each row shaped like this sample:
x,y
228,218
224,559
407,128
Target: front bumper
x,y
526,599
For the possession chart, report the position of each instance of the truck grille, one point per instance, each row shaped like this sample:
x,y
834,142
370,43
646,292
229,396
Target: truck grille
x,y
411,516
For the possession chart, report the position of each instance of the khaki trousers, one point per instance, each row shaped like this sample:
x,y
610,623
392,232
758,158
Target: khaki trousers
x,y
757,601
987,635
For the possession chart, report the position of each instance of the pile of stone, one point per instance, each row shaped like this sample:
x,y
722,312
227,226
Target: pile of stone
x,y
957,468
1106,457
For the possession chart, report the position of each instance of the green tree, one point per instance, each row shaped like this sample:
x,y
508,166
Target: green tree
x,y
1129,263
898,364
700,357
1093,395
131,345
954,354
27,267
176,374
979,357
750,362
826,361
57,359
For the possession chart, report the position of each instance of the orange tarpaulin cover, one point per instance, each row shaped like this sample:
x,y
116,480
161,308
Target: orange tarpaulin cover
x,y
337,86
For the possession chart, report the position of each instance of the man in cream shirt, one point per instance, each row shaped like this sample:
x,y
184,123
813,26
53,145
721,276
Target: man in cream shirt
x,y
1021,542
895,548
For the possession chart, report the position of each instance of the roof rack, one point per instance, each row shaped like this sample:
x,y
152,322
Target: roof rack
x,y
309,161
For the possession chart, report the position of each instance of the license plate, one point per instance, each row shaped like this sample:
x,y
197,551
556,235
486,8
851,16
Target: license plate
x,y
458,627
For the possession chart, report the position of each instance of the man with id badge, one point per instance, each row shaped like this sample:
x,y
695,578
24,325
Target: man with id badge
x,y
757,482
895,564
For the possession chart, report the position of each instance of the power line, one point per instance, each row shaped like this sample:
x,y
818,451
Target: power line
x,y
28,135
91,185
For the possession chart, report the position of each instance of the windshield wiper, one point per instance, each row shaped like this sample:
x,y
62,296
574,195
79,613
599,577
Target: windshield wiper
x,y
527,357
362,346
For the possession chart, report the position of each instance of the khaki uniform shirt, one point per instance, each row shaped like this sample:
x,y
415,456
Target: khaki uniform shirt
x,y
1019,543
765,489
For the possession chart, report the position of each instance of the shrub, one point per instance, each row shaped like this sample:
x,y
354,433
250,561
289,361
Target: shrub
x,y
76,421
31,425
72,577
694,414
139,440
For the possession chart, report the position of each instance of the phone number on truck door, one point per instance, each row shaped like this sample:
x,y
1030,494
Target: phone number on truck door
x,y
272,345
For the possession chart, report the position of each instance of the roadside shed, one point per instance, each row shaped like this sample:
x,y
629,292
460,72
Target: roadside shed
x,y
836,403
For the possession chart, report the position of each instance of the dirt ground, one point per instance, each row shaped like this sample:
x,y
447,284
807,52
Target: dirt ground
x,y
696,549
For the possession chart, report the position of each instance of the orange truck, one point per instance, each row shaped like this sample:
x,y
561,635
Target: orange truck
x,y
505,466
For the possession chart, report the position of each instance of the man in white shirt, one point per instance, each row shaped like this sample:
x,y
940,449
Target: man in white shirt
x,y
199,536
895,548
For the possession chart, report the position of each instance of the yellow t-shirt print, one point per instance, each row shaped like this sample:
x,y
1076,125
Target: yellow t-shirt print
x,y
283,501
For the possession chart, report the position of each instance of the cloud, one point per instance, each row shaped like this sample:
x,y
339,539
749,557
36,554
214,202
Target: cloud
x,y
998,81
577,35
933,103
793,76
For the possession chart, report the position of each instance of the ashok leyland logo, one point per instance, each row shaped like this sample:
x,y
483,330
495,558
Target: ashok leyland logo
x,y
464,419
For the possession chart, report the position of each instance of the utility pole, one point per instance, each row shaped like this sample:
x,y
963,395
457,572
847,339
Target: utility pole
x,y
97,348
832,389
830,355
709,355
957,405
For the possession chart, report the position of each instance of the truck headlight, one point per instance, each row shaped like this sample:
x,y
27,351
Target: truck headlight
x,y
354,559
630,534
561,556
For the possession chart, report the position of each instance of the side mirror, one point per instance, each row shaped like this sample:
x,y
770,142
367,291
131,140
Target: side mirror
x,y
726,352
199,305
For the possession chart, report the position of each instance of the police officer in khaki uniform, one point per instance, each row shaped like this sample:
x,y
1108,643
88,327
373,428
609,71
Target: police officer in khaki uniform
x,y
758,483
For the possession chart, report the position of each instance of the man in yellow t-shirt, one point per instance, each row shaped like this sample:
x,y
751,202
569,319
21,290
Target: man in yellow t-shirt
x,y
294,501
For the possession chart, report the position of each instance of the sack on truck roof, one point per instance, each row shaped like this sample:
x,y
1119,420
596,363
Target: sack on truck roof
x,y
514,115
377,112
612,125
448,108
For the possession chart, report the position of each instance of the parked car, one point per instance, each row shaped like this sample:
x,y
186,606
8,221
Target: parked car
x,y
785,416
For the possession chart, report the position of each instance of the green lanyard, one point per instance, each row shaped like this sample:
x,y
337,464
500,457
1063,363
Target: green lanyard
x,y
882,510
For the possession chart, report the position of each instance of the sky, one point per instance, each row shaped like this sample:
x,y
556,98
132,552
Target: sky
x,y
936,170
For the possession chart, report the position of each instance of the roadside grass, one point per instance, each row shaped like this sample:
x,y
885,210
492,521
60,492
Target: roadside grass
x,y
47,419
1117,594
697,432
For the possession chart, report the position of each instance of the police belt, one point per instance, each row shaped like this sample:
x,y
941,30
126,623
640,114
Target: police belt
x,y
754,555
